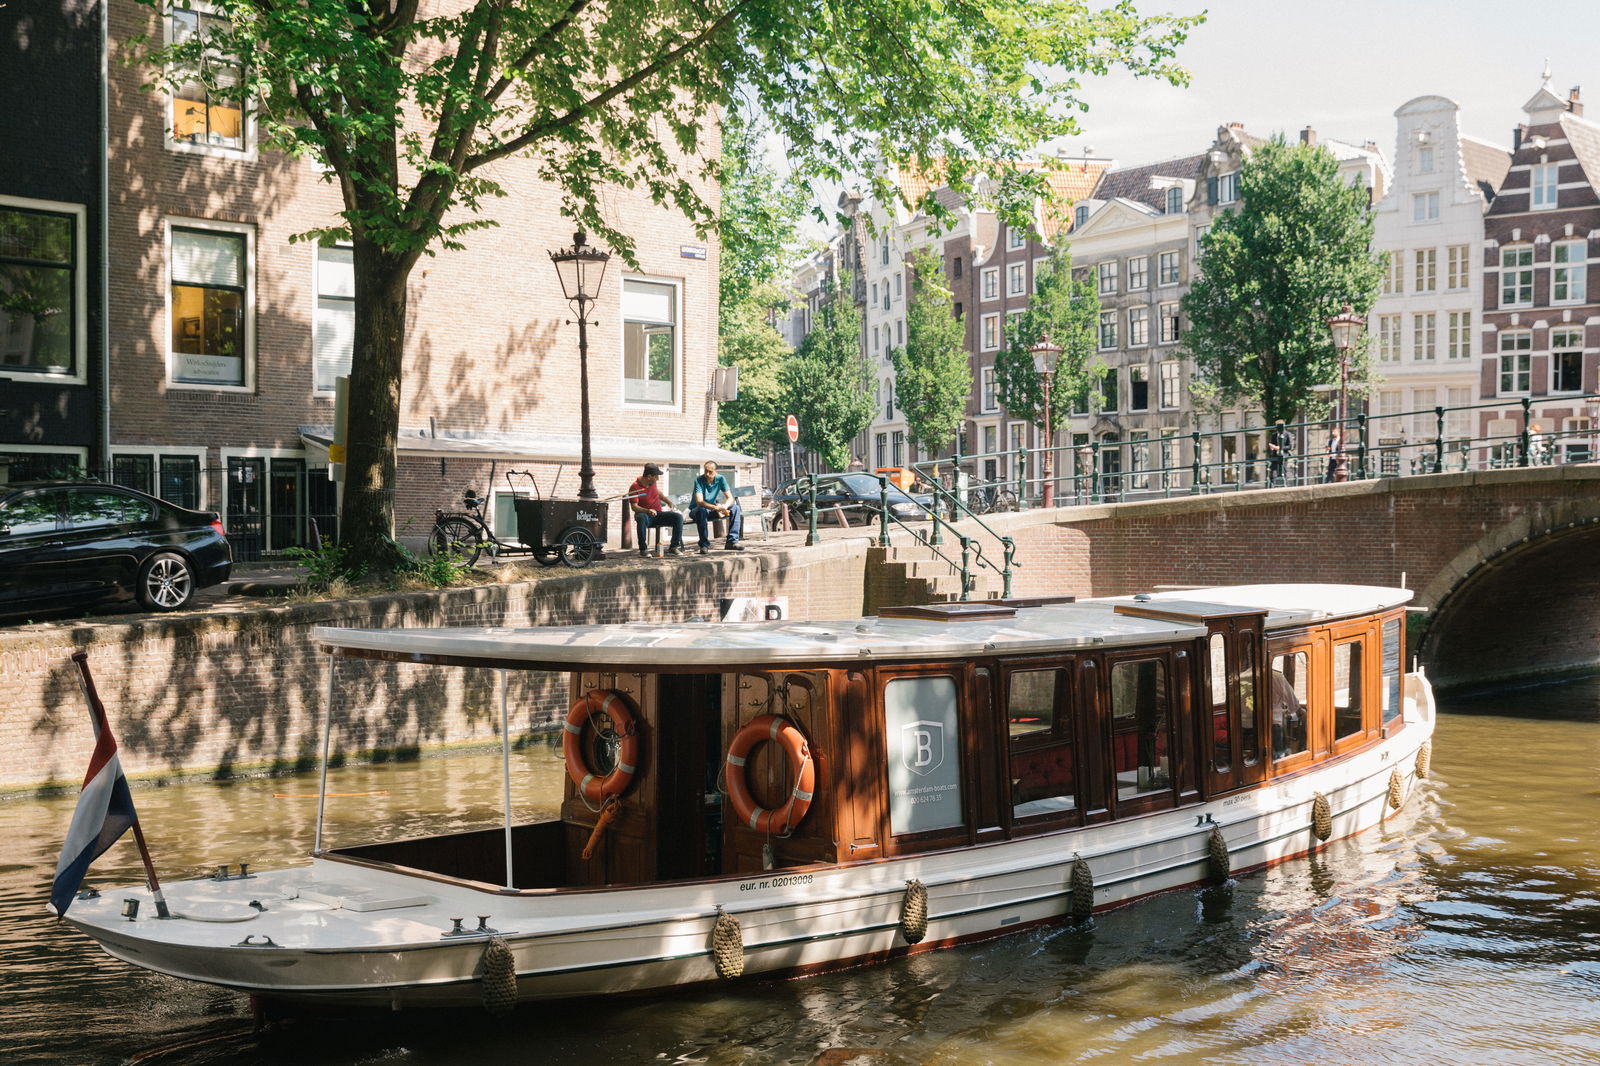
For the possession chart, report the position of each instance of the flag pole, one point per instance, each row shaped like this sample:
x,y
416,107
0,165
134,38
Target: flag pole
x,y
98,710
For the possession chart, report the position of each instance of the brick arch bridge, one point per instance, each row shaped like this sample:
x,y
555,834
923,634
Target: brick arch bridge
x,y
1506,563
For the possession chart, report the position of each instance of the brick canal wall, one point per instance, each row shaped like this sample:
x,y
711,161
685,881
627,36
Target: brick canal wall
x,y
239,691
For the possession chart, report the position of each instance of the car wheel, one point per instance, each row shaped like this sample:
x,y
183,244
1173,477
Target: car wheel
x,y
165,582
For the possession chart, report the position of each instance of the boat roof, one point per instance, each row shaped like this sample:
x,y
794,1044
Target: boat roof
x,y
1002,628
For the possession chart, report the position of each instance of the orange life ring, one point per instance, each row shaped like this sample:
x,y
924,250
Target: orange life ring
x,y
615,705
801,767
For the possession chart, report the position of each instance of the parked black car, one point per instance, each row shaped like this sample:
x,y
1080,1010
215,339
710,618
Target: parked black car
x,y
74,543
854,493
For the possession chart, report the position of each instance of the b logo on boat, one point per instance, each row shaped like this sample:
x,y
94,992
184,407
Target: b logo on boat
x,y
922,746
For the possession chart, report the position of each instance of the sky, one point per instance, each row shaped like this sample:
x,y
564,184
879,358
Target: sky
x,y
1343,68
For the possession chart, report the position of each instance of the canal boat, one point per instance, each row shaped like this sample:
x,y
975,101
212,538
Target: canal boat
x,y
786,797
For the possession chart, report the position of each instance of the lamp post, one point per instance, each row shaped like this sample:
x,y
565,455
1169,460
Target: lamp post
x,y
1045,355
581,269
1346,328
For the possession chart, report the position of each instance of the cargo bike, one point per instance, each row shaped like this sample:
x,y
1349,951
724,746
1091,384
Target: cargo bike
x,y
551,530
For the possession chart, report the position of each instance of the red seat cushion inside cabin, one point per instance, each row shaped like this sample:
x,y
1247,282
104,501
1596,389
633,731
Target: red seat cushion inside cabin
x,y
1041,773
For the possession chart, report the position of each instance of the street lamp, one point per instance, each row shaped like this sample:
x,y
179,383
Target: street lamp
x,y
581,269
1346,328
1045,355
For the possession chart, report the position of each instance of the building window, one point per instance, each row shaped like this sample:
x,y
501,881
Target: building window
x,y
1200,241
887,298
1458,335
1424,336
1170,378
334,339
1015,238
899,285
209,294
888,402
1138,273
1175,201
1138,387
955,267
1394,275
1171,330
41,291
991,332
201,114
1544,182
1425,207
1515,348
1516,276
874,301
1567,271
1108,330
1106,271
881,444
1167,268
960,312
1425,160
649,341
991,283
1017,279
1228,188
174,478
1566,360
1108,390
1457,265
987,397
1427,270
1080,215
1388,338
1138,326
883,251
899,331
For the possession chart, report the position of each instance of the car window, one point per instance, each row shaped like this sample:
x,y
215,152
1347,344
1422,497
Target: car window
x,y
92,508
34,513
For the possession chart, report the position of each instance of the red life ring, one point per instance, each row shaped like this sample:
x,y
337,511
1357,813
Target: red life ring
x,y
615,705
801,768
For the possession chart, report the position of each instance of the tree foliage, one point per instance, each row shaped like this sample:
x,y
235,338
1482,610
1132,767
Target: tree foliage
x,y
932,376
1067,310
827,385
409,104
1274,271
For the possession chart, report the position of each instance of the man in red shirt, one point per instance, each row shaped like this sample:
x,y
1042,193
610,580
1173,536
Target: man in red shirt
x,y
651,509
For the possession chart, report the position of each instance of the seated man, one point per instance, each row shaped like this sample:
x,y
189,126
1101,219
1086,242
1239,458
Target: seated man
x,y
651,509
713,500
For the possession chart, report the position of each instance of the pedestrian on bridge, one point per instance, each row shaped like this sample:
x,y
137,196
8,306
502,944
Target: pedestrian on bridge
x,y
1280,445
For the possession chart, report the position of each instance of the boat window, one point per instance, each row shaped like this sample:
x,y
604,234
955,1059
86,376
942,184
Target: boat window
x,y
1391,670
1347,689
1041,743
1221,737
1289,695
1249,742
1140,719
924,754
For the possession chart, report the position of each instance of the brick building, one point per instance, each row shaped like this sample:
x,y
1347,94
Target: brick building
x,y
1541,340
226,335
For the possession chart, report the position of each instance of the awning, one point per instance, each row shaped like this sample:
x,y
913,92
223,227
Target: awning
x,y
610,451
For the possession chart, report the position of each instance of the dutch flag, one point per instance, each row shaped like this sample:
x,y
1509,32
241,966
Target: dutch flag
x,y
105,811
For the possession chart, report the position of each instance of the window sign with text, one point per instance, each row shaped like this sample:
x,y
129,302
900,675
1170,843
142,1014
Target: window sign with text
x,y
924,754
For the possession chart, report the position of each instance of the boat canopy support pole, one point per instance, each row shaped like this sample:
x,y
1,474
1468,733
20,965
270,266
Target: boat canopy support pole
x,y
505,768
327,743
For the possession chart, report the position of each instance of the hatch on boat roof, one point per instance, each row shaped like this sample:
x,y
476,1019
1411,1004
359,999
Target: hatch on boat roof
x,y
950,612
1194,611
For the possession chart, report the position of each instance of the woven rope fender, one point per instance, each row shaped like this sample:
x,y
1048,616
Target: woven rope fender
x,y
1322,817
499,977
1424,759
1397,789
1080,894
914,912
1217,861
727,945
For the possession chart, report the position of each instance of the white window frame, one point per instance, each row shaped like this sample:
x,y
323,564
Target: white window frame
x,y
1169,314
82,454
1425,336
1522,270
1170,371
1016,238
1138,372
989,284
987,402
1424,207
1172,258
1458,267
678,389
247,123
1458,335
989,332
316,308
1567,347
1172,203
1572,273
248,377
207,500
1394,274
1523,354
1138,272
1228,187
1040,265
1017,279
1389,343
1106,278
1544,186
1425,277
1106,340
80,299
1138,327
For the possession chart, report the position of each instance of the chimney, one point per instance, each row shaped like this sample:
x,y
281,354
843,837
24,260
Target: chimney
x,y
1308,136
1574,104
1236,125
1516,137
1370,146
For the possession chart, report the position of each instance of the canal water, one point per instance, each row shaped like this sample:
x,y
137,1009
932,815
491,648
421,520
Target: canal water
x,y
1465,930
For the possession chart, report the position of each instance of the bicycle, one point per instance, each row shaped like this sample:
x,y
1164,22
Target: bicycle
x,y
991,499
462,533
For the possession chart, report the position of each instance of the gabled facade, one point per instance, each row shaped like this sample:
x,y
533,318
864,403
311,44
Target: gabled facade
x,y
1541,313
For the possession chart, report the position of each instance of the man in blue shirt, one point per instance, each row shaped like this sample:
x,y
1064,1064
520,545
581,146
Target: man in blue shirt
x,y
713,500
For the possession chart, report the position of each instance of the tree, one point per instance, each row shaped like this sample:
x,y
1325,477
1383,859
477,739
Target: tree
x,y
1297,249
1067,310
758,237
828,385
410,103
932,377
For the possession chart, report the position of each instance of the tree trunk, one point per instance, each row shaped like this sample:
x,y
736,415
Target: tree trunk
x,y
373,418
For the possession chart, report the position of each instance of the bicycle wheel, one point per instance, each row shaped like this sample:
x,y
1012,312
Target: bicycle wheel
x,y
457,536
1005,500
578,547
977,502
